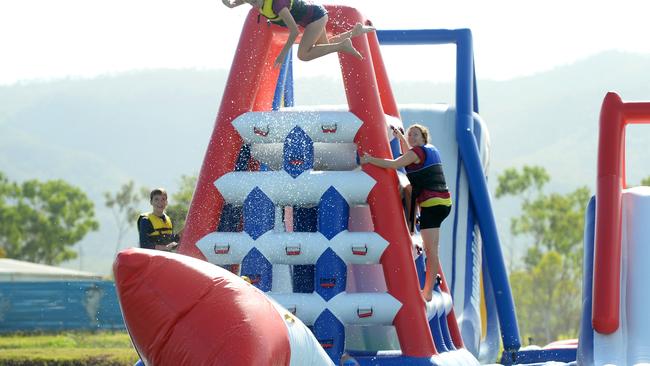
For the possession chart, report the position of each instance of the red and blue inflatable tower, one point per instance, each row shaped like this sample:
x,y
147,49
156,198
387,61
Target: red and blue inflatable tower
x,y
251,87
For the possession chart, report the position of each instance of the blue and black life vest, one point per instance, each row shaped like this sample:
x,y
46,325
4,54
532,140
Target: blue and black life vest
x,y
427,175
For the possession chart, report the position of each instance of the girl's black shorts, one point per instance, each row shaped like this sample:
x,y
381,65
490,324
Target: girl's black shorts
x,y
432,217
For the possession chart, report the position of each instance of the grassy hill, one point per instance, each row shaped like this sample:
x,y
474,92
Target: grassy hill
x,y
153,127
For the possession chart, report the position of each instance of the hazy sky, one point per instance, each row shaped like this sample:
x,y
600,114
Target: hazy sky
x,y
45,39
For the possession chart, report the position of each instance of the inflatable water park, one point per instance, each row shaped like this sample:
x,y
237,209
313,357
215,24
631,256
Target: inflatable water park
x,y
295,254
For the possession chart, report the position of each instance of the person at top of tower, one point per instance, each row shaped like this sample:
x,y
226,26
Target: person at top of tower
x,y
429,190
313,18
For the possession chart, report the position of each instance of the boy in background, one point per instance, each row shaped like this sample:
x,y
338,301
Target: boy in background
x,y
155,227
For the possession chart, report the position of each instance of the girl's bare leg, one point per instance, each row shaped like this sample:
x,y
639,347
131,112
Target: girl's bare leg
x,y
408,190
357,30
314,43
430,238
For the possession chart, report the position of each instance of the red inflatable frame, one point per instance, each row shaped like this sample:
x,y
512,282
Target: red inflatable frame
x,y
615,115
250,87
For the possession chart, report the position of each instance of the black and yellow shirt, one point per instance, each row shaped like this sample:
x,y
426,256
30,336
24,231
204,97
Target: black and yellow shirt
x,y
155,230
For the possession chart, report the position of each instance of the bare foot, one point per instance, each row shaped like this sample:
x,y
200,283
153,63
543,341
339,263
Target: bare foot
x,y
347,47
360,29
427,295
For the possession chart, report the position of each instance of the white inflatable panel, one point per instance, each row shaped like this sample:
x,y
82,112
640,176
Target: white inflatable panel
x,y
225,248
306,189
441,121
292,247
307,307
365,308
447,302
436,306
457,357
305,349
630,344
637,204
321,126
282,278
342,156
354,309
458,256
451,359
359,247
462,357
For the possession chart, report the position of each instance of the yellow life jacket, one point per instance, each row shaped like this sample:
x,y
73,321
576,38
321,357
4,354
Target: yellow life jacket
x,y
161,226
267,10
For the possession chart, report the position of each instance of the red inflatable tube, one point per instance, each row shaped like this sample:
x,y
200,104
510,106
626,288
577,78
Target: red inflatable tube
x,y
184,311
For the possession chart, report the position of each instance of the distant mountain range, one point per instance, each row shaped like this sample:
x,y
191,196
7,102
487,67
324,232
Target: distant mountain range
x,y
153,127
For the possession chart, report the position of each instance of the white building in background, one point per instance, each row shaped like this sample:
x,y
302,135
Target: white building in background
x,y
12,270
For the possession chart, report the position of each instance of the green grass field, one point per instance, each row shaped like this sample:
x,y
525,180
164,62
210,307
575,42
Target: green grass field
x,y
67,349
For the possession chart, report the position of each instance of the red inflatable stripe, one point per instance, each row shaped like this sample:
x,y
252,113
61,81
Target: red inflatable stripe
x,y
184,311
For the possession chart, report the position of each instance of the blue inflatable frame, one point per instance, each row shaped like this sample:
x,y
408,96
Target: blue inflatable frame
x,y
466,104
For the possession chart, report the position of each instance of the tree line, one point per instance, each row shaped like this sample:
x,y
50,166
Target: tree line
x,y
547,281
41,221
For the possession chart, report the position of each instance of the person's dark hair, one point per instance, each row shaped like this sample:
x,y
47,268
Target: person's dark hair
x,y
423,130
157,192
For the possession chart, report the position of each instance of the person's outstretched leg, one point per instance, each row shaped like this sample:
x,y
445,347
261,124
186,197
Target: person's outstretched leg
x,y
314,43
357,30
430,238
